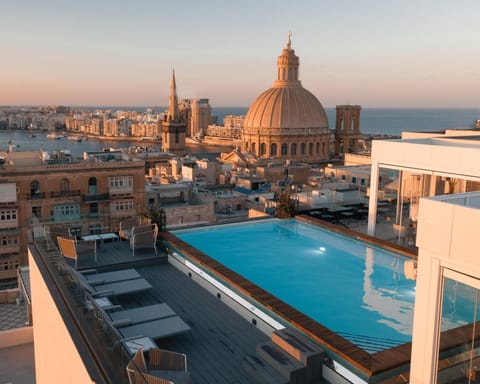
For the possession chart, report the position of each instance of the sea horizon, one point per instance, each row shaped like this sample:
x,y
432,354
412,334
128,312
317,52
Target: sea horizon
x,y
373,120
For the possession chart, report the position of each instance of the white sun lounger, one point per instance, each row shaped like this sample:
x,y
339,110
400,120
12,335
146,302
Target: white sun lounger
x,y
116,288
156,329
141,314
110,277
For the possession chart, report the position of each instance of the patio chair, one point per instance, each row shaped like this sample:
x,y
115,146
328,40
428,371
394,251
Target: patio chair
x,y
144,236
73,249
126,226
164,367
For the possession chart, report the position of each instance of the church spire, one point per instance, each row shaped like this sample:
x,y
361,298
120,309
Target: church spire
x,y
172,114
289,43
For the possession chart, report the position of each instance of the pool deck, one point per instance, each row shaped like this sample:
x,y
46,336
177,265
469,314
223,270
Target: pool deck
x,y
220,341
370,364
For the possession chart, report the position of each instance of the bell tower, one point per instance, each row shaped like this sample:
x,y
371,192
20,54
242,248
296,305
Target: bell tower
x,y
347,129
173,127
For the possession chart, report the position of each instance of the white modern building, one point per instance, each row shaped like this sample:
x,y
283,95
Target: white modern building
x,y
445,211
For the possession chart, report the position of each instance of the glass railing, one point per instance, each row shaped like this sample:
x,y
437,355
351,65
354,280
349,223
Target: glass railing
x,y
107,351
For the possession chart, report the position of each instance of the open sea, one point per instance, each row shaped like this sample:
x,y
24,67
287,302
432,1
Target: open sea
x,y
385,121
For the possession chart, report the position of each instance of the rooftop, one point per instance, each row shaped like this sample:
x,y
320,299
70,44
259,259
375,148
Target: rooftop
x,y
220,342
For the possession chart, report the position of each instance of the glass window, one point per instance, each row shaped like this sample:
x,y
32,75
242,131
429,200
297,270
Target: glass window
x,y
65,186
263,149
302,148
273,149
293,149
459,322
284,148
66,212
34,188
92,185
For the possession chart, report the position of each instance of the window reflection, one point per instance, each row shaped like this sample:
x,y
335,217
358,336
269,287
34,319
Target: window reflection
x,y
459,340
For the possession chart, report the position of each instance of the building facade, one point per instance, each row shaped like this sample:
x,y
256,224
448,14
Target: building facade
x,y
347,129
81,197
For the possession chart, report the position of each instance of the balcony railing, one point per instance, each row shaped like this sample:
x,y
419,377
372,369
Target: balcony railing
x,y
65,193
38,195
92,198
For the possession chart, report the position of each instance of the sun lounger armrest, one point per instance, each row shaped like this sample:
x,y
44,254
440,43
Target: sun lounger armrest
x,y
88,271
131,338
121,323
113,308
96,282
103,293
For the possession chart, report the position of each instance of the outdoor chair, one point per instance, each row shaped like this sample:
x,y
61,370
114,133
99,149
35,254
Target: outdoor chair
x,y
126,226
74,249
144,236
164,367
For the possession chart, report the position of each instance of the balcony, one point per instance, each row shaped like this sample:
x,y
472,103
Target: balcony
x,y
9,249
97,197
35,196
8,224
65,193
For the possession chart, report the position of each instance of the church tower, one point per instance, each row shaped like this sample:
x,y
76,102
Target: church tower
x,y
173,126
347,129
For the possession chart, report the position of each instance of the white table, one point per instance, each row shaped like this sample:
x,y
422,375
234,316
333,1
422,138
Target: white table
x,y
101,237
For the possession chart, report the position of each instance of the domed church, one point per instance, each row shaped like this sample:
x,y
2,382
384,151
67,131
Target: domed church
x,y
286,121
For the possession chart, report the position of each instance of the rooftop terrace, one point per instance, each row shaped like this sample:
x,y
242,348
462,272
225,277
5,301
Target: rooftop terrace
x,y
220,343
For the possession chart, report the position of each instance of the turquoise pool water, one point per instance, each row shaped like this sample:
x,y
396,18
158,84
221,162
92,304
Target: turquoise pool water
x,y
355,289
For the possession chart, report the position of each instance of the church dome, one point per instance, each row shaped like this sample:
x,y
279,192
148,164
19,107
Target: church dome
x,y
286,121
286,107
287,104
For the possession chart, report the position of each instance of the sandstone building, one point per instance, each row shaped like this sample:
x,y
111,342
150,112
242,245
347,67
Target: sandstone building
x,y
79,196
286,121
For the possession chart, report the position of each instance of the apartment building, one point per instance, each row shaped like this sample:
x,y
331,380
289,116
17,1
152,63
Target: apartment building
x,y
84,196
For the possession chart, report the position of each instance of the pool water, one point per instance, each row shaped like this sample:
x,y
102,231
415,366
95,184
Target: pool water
x,y
353,288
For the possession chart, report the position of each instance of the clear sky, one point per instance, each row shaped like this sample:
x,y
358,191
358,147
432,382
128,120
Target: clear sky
x,y
376,53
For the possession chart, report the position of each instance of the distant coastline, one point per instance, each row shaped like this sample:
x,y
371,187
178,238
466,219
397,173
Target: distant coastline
x,y
377,121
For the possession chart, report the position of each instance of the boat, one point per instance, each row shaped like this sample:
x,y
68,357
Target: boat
x,y
31,135
74,138
53,136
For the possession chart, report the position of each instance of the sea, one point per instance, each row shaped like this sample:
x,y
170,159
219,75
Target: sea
x,y
374,121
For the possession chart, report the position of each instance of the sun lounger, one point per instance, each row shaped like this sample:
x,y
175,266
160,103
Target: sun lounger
x,y
156,329
141,314
115,288
110,277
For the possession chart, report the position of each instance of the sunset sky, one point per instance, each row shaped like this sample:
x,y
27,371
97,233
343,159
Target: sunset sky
x,y
376,53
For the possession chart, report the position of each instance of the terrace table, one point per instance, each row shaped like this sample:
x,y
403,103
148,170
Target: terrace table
x,y
101,237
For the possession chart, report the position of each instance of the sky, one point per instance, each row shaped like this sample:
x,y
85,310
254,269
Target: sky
x,y
376,53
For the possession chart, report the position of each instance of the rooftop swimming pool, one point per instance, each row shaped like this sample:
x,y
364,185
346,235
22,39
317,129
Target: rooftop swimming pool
x,y
353,288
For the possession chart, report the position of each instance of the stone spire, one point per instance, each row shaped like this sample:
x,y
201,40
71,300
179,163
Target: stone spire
x,y
172,114
287,64
289,43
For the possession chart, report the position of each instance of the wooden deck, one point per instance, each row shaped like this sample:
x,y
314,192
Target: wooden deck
x,y
220,341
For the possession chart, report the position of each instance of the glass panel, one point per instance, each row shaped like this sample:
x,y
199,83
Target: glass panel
x,y
459,352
